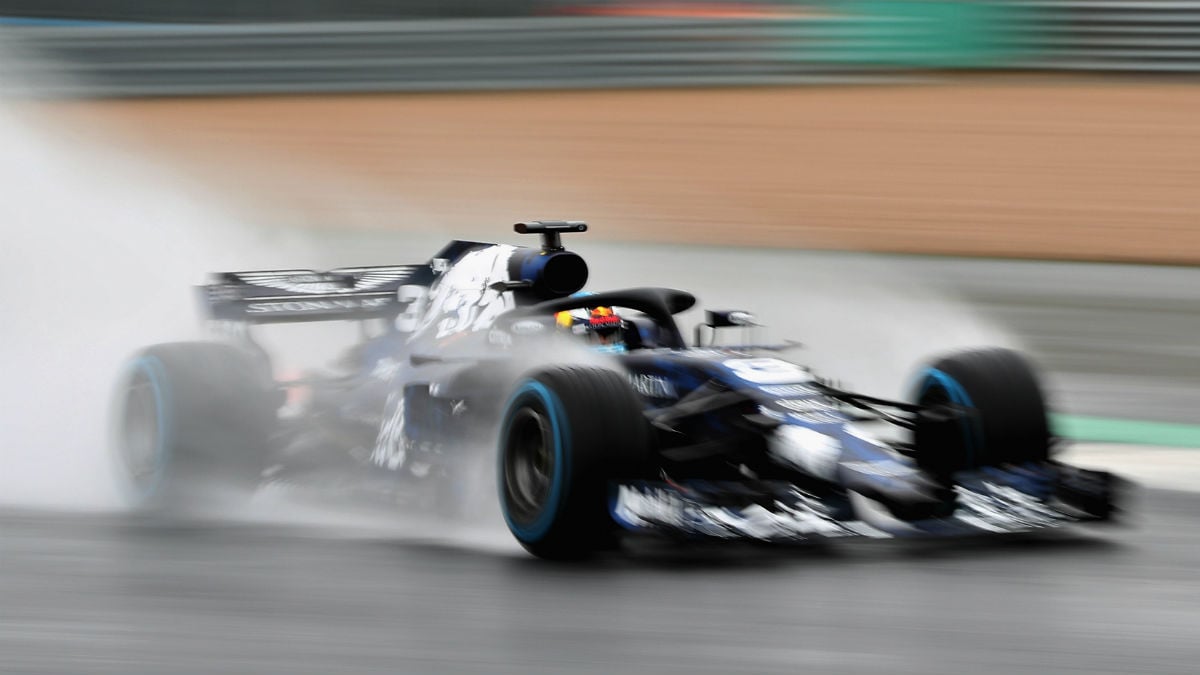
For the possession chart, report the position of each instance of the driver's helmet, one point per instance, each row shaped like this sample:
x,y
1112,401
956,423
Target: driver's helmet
x,y
605,329
601,327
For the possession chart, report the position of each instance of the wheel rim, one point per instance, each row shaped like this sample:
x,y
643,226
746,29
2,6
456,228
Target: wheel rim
x,y
140,439
956,448
528,464
934,394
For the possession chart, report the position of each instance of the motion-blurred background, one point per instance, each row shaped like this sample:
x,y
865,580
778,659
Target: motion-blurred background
x,y
881,179
1048,128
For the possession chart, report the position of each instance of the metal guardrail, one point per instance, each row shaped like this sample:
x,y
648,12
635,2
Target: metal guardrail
x,y
851,41
1158,36
260,11
430,55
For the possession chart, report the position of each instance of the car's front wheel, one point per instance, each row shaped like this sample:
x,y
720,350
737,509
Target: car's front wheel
x,y
564,435
1002,412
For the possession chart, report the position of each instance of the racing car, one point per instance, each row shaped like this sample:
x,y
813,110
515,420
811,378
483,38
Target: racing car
x,y
589,412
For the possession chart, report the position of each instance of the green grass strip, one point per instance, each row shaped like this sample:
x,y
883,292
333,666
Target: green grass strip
x,y
1134,432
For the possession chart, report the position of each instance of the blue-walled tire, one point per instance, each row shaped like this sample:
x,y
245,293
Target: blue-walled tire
x,y
191,420
565,433
1005,420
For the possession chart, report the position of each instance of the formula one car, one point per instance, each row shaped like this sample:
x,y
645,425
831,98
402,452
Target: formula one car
x,y
589,412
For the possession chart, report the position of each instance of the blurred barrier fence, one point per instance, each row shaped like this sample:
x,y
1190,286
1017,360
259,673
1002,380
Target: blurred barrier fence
x,y
427,55
1072,35
1113,35
226,11
846,41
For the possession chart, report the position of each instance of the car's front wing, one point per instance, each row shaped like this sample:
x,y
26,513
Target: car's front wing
x,y
991,500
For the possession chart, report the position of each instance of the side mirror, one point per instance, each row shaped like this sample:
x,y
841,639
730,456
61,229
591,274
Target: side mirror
x,y
729,317
726,318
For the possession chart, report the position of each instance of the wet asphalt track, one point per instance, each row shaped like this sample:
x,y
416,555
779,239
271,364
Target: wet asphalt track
x,y
101,594
104,594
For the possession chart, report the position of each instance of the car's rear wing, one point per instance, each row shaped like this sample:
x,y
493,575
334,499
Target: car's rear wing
x,y
281,296
345,293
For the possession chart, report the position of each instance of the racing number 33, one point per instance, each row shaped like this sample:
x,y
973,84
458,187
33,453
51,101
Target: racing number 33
x,y
767,371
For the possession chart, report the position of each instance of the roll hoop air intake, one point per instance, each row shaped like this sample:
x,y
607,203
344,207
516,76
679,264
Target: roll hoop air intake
x,y
552,272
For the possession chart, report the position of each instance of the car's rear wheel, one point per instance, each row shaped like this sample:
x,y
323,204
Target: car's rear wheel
x,y
192,420
565,434
1003,412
